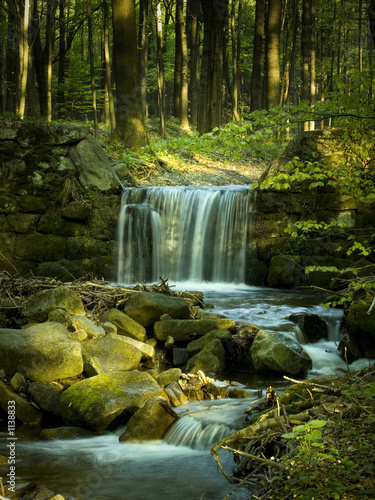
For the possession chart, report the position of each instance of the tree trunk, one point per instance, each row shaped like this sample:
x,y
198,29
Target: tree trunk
x,y
177,67
160,65
360,44
23,48
210,106
312,59
130,127
194,23
273,53
62,61
92,67
184,99
51,12
108,96
3,59
236,81
256,75
143,52
371,16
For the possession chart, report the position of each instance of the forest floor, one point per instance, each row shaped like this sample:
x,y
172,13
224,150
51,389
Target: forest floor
x,y
183,159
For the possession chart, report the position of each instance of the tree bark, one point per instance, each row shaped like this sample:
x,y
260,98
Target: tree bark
x,y
23,48
161,76
193,31
236,80
92,66
108,96
143,52
184,84
256,75
130,127
273,53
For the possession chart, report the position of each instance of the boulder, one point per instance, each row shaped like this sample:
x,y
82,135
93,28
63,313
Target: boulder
x,y
150,422
147,307
197,345
210,360
92,366
312,326
96,402
37,307
113,355
41,352
18,382
92,330
125,324
360,325
46,395
25,412
183,330
65,433
169,376
148,351
275,352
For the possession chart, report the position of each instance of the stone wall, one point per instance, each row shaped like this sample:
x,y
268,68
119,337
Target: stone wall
x,y
59,201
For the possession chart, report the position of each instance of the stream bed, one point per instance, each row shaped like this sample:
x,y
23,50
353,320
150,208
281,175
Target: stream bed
x,y
180,467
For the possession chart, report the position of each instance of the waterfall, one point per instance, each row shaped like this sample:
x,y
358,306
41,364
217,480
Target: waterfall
x,y
184,233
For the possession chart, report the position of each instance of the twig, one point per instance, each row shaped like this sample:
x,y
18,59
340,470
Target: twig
x,y
263,461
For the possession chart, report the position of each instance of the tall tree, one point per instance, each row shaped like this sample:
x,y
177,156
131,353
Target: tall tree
x,y
184,86
236,79
273,53
23,57
256,74
193,34
214,19
130,127
160,67
143,52
109,109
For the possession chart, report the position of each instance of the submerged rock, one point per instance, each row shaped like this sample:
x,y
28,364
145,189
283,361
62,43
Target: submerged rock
x,y
41,352
147,307
275,352
96,402
150,422
184,330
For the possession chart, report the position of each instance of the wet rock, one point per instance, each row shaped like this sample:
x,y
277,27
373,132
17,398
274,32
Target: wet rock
x,y
147,307
41,352
148,352
202,314
92,366
197,345
169,376
179,356
65,433
237,393
38,306
175,394
312,326
92,330
25,412
41,493
217,388
184,330
97,401
284,272
210,360
150,422
275,352
360,326
113,355
125,324
18,382
46,395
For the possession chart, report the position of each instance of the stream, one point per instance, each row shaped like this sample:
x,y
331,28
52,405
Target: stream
x,y
179,467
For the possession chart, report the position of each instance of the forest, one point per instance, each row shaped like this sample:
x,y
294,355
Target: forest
x,y
206,63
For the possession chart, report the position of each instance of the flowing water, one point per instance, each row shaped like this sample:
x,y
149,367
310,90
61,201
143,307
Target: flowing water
x,y
186,234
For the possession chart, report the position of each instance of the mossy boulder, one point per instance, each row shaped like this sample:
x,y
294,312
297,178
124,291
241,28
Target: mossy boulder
x,y
284,272
360,325
169,376
25,412
149,422
42,352
125,324
46,395
184,330
38,306
113,355
275,352
65,433
211,359
147,307
96,402
197,345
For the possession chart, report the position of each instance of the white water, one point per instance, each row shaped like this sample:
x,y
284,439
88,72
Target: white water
x,y
181,233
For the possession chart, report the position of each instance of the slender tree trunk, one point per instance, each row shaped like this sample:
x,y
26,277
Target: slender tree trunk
x,y
92,66
161,76
194,22
256,75
108,96
3,58
273,53
177,68
184,85
236,81
360,44
239,35
23,59
312,58
143,52
62,60
11,63
371,16
51,12
130,127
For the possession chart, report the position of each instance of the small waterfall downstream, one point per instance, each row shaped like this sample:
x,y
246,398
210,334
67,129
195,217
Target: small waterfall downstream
x,y
184,233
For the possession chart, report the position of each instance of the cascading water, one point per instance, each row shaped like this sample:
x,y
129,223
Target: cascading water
x,y
184,233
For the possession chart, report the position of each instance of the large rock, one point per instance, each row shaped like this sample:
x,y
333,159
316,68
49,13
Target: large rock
x,y
275,352
360,325
38,306
96,402
92,330
147,307
65,433
184,330
46,395
113,355
42,352
312,326
197,345
125,324
150,422
210,360
148,351
25,412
